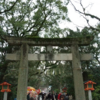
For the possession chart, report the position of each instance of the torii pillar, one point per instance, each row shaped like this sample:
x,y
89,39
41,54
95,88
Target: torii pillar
x,y
77,73
75,57
23,73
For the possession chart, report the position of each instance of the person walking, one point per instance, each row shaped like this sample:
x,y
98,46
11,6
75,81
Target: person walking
x,y
66,96
53,95
56,95
40,96
49,96
59,96
28,96
62,97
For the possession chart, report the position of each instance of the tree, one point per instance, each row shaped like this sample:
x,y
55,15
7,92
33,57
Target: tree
x,y
27,19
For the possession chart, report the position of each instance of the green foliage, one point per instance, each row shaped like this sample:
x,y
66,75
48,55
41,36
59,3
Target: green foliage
x,y
33,18
96,93
1,18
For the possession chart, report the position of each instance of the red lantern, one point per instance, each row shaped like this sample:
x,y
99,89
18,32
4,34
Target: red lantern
x,y
89,85
5,87
64,89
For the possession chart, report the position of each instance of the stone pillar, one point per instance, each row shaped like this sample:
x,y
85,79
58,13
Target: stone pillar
x,y
89,94
5,95
23,73
77,73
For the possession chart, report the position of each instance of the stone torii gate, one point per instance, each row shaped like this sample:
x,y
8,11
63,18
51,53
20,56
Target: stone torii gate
x,y
24,57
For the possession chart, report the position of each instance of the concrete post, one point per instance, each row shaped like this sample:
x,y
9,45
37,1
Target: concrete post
x,y
23,74
5,95
89,94
77,73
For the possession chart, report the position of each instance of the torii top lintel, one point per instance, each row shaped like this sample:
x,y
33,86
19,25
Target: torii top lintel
x,y
81,41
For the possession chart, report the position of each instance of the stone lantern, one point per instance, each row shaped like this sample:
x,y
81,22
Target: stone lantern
x,y
5,89
89,87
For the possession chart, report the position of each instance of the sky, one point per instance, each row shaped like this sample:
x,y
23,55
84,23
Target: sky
x,y
92,7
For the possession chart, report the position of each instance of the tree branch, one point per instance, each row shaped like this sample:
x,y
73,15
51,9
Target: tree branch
x,y
9,8
84,14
